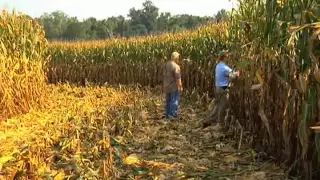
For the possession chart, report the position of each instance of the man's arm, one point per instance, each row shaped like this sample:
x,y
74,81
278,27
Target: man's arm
x,y
179,83
177,75
230,74
233,75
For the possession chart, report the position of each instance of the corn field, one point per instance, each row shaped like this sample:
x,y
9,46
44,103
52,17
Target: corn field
x,y
22,56
274,43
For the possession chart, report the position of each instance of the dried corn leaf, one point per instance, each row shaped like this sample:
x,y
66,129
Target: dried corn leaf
x,y
302,130
256,87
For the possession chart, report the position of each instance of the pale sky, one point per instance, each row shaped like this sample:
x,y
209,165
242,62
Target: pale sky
x,y
102,9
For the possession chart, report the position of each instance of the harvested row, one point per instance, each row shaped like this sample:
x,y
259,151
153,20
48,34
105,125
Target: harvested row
x,y
113,133
74,136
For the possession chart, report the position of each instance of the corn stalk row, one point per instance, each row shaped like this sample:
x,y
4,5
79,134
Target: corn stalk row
x,y
138,60
22,56
277,46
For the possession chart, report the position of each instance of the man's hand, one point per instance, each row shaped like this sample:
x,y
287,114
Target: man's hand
x,y
179,85
238,73
234,75
180,88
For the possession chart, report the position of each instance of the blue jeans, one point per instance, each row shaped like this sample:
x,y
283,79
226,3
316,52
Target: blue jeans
x,y
172,102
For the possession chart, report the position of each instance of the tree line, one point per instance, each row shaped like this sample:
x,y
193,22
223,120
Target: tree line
x,y
148,20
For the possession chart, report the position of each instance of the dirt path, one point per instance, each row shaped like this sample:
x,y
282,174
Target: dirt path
x,y
192,153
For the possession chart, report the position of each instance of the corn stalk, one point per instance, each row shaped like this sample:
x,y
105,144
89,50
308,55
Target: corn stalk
x,y
22,58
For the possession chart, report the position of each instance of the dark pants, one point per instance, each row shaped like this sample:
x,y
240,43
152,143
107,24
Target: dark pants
x,y
221,105
172,102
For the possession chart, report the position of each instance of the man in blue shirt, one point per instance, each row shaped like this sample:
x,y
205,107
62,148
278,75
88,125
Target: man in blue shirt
x,y
223,74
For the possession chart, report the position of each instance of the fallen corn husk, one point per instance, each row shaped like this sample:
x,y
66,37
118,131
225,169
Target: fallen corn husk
x,y
256,86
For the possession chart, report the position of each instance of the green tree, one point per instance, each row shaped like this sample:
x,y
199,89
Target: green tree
x,y
222,15
76,30
163,22
149,14
146,20
54,24
92,25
